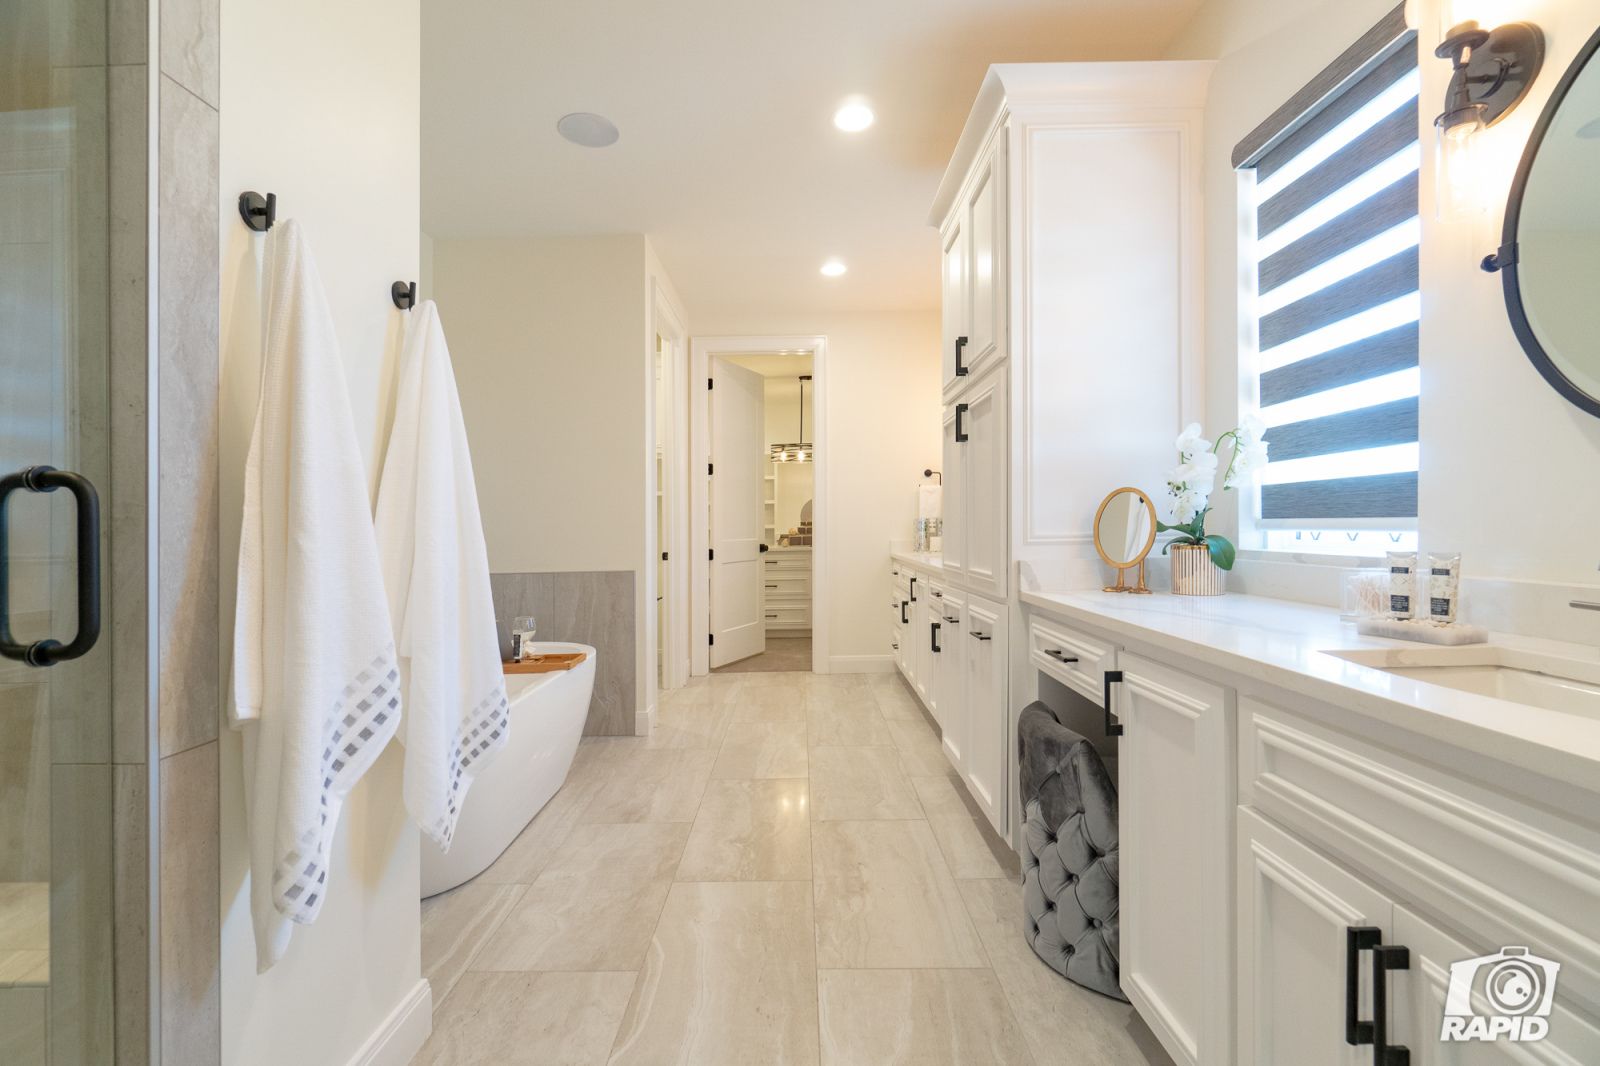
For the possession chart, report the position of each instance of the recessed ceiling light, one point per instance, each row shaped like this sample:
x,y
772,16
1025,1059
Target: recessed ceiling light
x,y
588,130
853,117
833,268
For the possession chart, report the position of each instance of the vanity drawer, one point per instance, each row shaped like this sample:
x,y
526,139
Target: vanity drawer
x,y
1074,658
787,585
1503,868
775,561
797,615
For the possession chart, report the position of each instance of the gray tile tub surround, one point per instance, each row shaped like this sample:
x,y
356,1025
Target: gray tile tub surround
x,y
592,607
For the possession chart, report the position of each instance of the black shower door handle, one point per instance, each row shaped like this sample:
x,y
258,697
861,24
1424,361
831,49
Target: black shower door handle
x,y
49,652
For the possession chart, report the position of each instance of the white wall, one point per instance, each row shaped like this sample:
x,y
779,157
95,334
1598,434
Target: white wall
x,y
1506,463
546,337
552,339
883,412
319,105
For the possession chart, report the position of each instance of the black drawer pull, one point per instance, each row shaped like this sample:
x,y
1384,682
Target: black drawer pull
x,y
1357,938
961,370
1059,656
903,619
772,586
934,638
1386,957
1113,728
913,590
980,635
961,433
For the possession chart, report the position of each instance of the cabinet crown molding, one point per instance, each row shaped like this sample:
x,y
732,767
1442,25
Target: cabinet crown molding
x,y
1010,86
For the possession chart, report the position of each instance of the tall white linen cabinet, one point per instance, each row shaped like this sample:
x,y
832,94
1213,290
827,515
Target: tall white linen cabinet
x,y
1070,223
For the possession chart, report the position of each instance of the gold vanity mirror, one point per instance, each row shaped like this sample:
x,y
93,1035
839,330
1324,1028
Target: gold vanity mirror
x,y
1124,533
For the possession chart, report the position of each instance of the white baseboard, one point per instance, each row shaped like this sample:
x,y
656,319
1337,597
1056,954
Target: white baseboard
x,y
861,664
403,1033
644,722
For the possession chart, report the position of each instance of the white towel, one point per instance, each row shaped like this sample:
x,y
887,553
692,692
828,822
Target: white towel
x,y
315,680
436,568
930,500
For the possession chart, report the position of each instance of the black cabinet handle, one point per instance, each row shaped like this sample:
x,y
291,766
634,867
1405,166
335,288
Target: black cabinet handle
x,y
772,586
980,635
961,434
1059,656
934,638
903,619
961,370
1113,728
1357,938
49,652
1386,957
952,621
913,590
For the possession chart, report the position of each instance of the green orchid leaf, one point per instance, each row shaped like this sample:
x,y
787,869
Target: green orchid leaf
x,y
1222,551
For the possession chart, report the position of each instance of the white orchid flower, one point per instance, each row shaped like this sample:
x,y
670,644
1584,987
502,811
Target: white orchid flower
x,y
1191,442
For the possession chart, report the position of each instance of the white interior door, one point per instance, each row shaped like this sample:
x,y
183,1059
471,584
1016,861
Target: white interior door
x,y
738,435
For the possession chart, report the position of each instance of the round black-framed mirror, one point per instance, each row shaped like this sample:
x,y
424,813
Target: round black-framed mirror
x,y
1555,314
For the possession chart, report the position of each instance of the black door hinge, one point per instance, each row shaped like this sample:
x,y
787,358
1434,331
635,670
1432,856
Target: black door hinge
x,y
711,383
711,554
663,556
711,468
711,638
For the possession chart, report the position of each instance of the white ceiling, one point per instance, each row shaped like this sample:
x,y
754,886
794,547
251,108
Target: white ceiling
x,y
728,158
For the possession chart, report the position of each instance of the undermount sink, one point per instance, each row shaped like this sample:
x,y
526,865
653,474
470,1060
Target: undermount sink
x,y
1568,686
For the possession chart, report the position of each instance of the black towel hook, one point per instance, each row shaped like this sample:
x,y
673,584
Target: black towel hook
x,y
259,212
404,294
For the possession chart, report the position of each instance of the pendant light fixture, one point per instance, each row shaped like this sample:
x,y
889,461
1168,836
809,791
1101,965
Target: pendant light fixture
x,y
799,451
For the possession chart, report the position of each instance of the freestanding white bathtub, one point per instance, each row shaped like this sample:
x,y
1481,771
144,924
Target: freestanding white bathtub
x,y
547,715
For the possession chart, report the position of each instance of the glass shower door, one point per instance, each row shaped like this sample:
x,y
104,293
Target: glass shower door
x,y
57,751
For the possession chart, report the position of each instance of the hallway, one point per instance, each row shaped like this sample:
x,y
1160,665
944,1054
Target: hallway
x,y
785,872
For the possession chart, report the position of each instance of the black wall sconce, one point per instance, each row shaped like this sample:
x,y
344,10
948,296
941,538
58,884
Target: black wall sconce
x,y
1493,70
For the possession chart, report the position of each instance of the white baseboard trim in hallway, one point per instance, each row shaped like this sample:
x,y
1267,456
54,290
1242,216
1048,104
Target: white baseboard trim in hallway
x,y
861,664
402,1034
644,722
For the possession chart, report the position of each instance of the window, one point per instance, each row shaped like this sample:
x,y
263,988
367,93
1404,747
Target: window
x,y
1331,180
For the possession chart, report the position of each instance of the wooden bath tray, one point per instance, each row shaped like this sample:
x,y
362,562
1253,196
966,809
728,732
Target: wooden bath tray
x,y
546,664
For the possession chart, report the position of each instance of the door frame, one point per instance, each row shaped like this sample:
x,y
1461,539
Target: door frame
x,y
667,323
702,350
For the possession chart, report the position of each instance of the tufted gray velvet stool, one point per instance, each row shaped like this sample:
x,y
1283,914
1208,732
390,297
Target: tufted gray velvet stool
x,y
1069,861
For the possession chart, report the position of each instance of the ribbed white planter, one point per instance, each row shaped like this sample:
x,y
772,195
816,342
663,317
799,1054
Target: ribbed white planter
x,y
1193,572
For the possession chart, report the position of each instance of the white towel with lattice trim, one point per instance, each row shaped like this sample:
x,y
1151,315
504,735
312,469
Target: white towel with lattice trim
x,y
315,678
436,568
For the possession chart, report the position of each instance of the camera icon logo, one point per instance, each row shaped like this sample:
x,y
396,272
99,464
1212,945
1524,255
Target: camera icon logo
x,y
1504,996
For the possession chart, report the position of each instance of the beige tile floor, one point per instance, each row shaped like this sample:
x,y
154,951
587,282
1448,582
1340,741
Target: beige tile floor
x,y
786,872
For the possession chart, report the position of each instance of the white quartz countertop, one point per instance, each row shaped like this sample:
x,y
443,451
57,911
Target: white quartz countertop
x,y
920,560
1286,644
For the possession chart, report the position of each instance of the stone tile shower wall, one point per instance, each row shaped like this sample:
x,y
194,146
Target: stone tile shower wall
x,y
589,607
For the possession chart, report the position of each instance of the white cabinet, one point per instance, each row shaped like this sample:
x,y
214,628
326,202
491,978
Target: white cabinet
x,y
951,712
975,446
1297,912
987,722
923,637
1419,997
973,290
1176,810
1310,932
955,298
